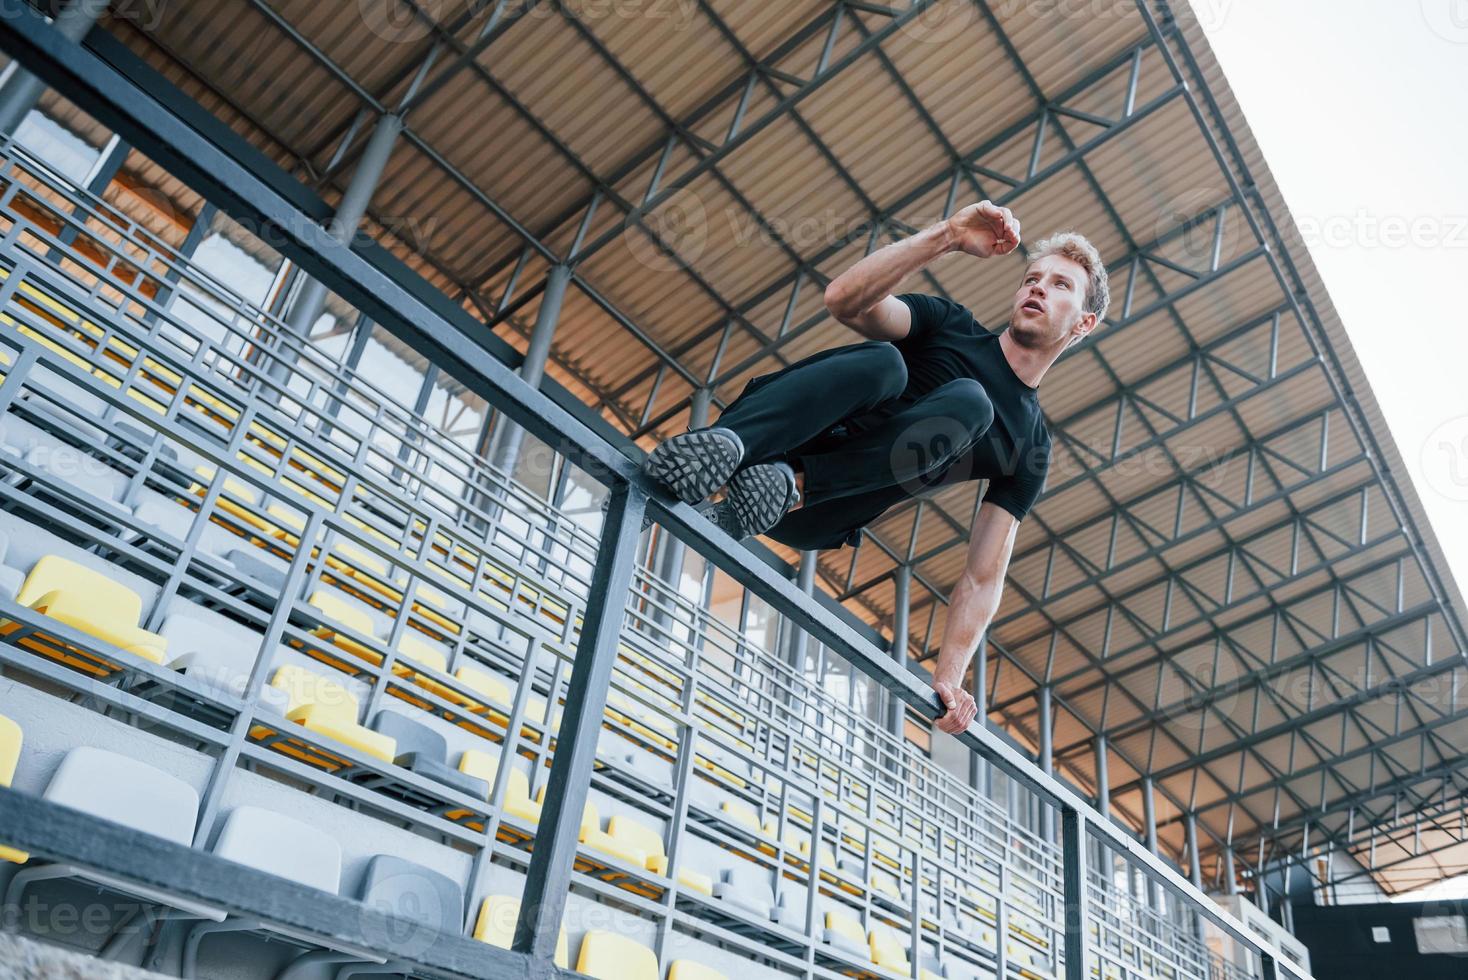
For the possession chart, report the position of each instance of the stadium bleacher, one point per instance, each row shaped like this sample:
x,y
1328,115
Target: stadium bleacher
x,y
263,614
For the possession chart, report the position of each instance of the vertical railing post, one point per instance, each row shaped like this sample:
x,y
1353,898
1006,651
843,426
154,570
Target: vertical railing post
x,y
1073,855
549,875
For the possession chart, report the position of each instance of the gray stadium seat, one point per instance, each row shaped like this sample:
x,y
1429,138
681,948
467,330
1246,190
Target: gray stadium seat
x,y
174,519
956,969
84,403
80,471
123,790
790,911
281,845
425,752
142,438
266,569
19,437
218,655
120,789
746,885
648,767
402,888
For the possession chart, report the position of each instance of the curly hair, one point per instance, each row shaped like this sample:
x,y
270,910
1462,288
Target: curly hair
x,y
1076,247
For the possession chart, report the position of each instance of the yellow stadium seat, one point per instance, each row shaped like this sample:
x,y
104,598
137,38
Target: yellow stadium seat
x,y
237,499
887,951
640,845
741,813
338,610
325,707
609,956
491,691
885,885
618,847
590,818
432,596
497,693
92,602
517,803
496,926
10,739
287,517
843,930
423,654
689,970
828,855
362,559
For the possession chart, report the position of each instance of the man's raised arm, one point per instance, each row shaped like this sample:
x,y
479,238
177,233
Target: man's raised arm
x,y
861,297
973,603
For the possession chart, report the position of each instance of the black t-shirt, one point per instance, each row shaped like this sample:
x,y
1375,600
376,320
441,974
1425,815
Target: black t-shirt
x,y
946,343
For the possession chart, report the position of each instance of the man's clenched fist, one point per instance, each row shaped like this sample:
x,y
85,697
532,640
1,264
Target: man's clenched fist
x,y
959,706
984,229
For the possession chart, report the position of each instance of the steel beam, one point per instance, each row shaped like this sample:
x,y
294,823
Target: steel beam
x,y
20,90
311,300
548,878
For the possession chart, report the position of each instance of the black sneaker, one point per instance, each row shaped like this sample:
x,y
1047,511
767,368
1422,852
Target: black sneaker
x,y
758,497
695,464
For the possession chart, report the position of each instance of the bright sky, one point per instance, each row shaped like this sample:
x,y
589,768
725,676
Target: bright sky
x,y
1358,106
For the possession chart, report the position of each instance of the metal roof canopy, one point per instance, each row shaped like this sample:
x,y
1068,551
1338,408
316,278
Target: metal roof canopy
x,y
162,128
1228,575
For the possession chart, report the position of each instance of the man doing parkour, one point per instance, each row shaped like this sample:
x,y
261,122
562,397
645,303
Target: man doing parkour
x,y
932,398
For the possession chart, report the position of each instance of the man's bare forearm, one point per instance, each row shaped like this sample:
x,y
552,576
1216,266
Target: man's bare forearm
x,y
865,284
970,608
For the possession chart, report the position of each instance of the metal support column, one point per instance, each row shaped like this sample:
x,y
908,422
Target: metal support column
x,y
532,369
805,580
1073,856
312,298
1047,759
901,597
1103,778
1195,863
549,875
1230,874
1261,895
1149,828
20,90
980,772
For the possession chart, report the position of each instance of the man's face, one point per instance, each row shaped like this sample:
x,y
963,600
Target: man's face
x,y
1047,306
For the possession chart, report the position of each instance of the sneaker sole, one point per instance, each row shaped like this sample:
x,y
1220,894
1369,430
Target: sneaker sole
x,y
695,464
758,497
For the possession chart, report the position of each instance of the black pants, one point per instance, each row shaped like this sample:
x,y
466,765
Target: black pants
x,y
837,416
